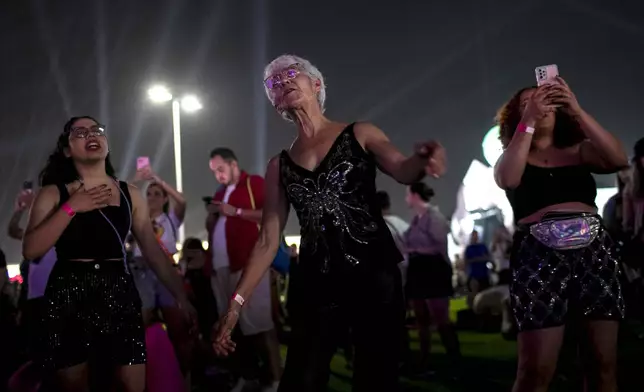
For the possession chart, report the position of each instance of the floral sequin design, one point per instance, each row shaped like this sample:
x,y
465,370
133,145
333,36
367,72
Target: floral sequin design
x,y
330,197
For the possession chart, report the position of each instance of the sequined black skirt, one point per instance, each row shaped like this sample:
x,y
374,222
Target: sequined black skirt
x,y
91,308
549,286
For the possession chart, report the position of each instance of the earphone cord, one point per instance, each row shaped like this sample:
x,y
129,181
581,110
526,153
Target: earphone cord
x,y
129,211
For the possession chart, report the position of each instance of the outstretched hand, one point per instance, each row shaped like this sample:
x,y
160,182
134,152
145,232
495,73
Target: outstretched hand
x,y
436,157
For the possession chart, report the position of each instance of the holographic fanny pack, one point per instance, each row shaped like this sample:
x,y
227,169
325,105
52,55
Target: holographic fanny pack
x,y
566,231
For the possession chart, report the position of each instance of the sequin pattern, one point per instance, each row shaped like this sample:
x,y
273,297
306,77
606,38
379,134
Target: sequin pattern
x,y
91,307
549,284
331,202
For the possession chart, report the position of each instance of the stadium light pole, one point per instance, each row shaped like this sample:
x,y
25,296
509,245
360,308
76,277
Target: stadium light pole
x,y
189,103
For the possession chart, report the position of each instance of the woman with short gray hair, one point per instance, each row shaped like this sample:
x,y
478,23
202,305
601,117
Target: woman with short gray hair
x,y
347,276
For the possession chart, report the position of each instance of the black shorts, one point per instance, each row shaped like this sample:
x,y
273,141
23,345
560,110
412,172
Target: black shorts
x,y
428,277
549,285
90,307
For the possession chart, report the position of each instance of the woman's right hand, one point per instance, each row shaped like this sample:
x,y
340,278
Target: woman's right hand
x,y
84,200
24,199
539,105
222,330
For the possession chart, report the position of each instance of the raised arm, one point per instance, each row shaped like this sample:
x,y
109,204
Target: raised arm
x,y
176,197
510,166
429,158
274,217
23,202
157,259
178,201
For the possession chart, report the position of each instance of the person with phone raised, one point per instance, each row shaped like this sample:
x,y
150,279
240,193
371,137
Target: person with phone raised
x,y
348,274
167,208
563,261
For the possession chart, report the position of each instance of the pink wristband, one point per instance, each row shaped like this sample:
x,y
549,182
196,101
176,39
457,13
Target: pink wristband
x,y
68,210
525,129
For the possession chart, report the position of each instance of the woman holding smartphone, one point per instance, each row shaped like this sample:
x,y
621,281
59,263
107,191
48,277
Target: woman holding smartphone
x,y
563,261
167,209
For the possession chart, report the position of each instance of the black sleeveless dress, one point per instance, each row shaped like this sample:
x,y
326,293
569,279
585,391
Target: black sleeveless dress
x,y
347,275
92,309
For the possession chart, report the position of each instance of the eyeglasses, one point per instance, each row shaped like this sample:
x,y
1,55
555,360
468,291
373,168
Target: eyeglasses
x,y
278,79
84,133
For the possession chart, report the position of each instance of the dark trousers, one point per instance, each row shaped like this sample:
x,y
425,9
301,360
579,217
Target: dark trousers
x,y
375,314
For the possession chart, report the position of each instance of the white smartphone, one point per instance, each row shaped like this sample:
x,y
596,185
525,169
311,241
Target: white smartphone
x,y
546,74
142,162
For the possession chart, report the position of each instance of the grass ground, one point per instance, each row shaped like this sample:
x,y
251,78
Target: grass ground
x,y
489,364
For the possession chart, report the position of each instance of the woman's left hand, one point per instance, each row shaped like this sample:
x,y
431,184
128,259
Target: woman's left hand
x,y
436,157
565,97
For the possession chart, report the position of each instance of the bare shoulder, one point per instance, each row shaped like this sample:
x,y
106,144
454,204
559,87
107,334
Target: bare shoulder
x,y
366,129
273,167
48,194
135,194
132,188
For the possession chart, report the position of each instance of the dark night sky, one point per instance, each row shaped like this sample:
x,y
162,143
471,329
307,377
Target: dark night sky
x,y
418,69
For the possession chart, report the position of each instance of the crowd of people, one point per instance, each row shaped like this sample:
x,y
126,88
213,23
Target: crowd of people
x,y
104,305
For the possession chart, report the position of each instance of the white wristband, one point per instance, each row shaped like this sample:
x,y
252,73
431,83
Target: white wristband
x,y
239,299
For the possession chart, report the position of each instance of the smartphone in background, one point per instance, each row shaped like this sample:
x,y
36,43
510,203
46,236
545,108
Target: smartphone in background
x,y
207,200
546,74
142,162
27,185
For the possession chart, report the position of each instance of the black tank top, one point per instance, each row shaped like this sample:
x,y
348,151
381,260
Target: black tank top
x,y
541,187
341,222
90,236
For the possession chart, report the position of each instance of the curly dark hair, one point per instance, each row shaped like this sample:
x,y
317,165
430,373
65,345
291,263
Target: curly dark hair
x,y
60,169
566,133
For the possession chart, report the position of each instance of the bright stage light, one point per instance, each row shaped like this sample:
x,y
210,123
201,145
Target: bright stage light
x,y
159,94
190,103
492,147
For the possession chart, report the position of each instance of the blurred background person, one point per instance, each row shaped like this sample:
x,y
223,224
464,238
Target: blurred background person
x,y
500,251
429,275
632,232
476,257
398,227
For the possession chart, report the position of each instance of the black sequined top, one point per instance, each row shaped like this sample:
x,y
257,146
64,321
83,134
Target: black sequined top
x,y
342,228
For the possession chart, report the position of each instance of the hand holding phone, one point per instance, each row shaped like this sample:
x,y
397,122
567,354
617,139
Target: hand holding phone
x,y
142,163
547,74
